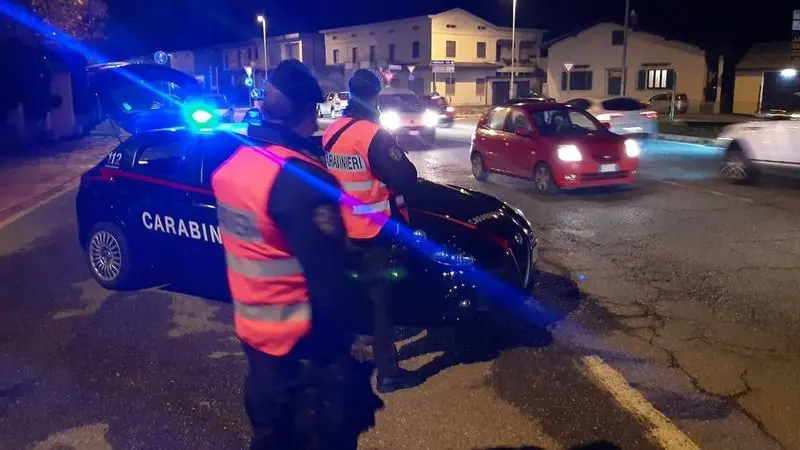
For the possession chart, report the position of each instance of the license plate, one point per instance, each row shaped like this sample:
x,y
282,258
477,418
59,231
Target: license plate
x,y
633,130
608,168
414,133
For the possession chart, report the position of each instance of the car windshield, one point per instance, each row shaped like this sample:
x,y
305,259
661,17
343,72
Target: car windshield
x,y
344,96
565,122
399,102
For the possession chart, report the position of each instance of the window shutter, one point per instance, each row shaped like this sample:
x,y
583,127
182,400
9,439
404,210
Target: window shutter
x,y
640,80
670,78
589,80
564,81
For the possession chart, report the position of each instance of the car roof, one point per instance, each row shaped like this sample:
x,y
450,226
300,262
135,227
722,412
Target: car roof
x,y
538,106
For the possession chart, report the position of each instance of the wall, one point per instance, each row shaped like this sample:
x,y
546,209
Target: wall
x,y
183,61
465,86
401,33
468,31
593,47
747,93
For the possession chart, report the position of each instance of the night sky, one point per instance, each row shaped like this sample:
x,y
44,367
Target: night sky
x,y
145,25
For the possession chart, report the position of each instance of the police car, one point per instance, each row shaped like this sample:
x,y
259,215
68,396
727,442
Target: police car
x,y
148,208
404,113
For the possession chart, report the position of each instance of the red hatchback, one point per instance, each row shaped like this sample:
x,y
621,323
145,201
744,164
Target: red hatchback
x,y
557,146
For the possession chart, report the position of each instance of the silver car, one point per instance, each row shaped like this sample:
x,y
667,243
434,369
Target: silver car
x,y
622,115
661,103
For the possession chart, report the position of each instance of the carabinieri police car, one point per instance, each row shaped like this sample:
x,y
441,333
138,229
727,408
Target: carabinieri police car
x,y
148,208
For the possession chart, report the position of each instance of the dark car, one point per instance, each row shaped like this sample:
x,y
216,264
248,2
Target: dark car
x,y
148,208
447,113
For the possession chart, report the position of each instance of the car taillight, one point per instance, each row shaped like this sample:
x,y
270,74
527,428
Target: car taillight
x,y
449,109
608,117
649,114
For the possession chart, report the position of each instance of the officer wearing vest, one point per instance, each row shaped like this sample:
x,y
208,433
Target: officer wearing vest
x,y
286,255
374,172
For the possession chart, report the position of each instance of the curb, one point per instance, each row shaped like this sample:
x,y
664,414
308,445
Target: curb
x,y
20,210
683,138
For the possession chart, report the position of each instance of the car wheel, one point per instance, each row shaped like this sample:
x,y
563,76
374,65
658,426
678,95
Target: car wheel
x,y
543,179
736,168
109,257
479,170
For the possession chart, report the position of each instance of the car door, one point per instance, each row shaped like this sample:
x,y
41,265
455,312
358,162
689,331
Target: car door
x,y
492,140
774,143
163,174
519,153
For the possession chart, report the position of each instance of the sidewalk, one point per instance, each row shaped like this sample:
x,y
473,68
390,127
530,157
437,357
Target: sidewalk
x,y
34,174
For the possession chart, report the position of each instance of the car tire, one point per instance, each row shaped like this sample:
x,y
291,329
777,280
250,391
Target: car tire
x,y
736,168
479,170
543,180
109,257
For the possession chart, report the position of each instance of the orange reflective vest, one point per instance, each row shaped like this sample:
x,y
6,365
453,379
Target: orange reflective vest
x,y
270,296
368,208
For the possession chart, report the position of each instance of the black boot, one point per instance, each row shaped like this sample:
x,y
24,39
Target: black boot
x,y
397,379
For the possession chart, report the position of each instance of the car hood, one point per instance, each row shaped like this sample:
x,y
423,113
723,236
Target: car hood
x,y
141,97
452,201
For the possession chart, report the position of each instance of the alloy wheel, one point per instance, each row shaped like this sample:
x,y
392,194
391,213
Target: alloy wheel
x,y
105,255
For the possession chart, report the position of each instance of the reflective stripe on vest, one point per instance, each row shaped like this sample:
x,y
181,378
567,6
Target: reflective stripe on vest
x,y
271,305
274,313
373,208
360,186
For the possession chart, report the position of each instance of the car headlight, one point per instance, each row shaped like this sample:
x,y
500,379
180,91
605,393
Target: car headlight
x,y
390,120
569,153
430,119
453,258
632,148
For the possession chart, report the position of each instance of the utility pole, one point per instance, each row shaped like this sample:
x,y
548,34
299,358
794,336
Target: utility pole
x,y
625,48
511,90
263,21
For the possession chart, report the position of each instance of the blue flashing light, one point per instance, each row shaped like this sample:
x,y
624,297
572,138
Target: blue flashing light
x,y
202,116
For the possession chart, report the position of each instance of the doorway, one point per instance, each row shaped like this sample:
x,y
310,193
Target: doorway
x,y
614,83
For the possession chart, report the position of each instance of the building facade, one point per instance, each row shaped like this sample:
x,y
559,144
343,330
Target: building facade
x,y
766,78
588,63
478,51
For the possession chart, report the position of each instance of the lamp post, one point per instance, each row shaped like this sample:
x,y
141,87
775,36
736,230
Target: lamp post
x,y
625,49
513,46
263,21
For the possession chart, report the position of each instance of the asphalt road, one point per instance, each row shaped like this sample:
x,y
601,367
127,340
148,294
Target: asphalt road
x,y
685,286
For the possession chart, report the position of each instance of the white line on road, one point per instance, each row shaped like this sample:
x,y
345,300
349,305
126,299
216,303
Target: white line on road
x,y
707,191
662,429
61,191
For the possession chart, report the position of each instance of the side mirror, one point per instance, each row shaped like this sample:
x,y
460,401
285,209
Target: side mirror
x,y
606,125
524,132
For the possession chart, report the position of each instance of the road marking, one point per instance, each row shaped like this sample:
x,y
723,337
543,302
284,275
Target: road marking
x,y
59,192
662,429
707,191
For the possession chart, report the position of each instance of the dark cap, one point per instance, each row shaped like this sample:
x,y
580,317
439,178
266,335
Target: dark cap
x,y
296,83
364,84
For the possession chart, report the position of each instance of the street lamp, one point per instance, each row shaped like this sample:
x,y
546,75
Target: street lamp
x,y
263,22
625,49
513,46
789,73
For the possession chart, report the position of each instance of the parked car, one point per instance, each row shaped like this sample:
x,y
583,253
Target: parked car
x,y
447,113
555,145
625,115
404,113
760,147
334,104
661,103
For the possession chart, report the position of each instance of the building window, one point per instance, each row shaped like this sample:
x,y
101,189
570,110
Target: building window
x,y
481,27
450,86
617,37
371,33
371,53
415,49
450,50
480,87
655,79
335,38
355,55
249,55
450,25
576,81
481,50
391,30
391,52
336,56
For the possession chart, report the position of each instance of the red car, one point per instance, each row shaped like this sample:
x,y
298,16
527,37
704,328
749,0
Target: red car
x,y
557,146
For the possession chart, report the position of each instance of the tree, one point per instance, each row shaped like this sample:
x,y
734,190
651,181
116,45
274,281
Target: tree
x,y
84,20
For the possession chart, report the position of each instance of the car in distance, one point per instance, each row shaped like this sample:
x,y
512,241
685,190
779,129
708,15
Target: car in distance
x,y
760,147
625,115
555,145
662,103
404,113
447,113
148,208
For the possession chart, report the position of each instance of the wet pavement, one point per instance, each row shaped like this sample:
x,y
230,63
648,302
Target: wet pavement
x,y
685,286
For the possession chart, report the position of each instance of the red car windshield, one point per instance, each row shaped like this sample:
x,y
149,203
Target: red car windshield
x,y
565,122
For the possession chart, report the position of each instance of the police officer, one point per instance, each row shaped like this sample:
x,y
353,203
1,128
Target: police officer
x,y
285,248
374,172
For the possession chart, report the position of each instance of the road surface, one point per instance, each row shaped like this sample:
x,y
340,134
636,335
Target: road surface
x,y
679,329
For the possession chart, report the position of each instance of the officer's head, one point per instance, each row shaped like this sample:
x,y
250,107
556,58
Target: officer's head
x,y
365,86
291,97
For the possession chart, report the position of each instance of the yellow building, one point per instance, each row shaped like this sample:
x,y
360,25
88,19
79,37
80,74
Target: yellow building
x,y
478,51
